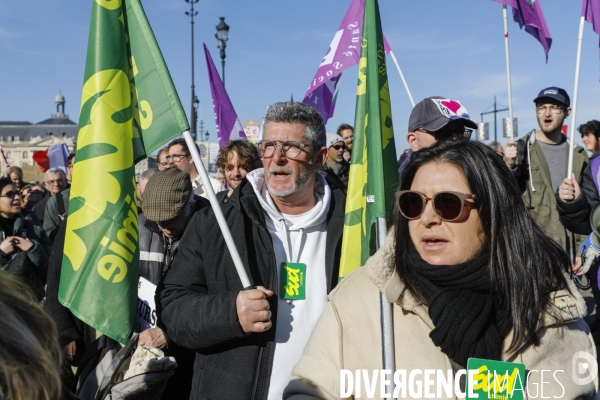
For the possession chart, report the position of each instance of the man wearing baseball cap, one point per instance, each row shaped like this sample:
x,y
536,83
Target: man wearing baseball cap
x,y
336,169
539,163
169,203
434,119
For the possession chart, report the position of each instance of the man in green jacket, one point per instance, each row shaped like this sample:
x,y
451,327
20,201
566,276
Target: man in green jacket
x,y
539,162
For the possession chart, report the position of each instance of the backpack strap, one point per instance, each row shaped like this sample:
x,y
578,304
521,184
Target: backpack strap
x,y
595,166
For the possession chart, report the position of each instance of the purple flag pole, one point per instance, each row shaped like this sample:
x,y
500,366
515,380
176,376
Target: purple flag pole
x,y
575,93
228,124
510,125
529,14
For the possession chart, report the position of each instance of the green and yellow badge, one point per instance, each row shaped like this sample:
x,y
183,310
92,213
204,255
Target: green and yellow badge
x,y
293,281
496,380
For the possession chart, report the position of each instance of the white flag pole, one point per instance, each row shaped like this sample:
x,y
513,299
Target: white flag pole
x,y
237,261
510,108
575,92
403,80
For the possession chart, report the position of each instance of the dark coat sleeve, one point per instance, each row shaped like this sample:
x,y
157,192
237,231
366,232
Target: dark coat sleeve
x,y
193,316
69,327
575,215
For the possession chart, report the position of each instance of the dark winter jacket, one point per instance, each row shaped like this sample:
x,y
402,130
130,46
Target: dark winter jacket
x,y
337,181
70,328
575,215
31,266
200,291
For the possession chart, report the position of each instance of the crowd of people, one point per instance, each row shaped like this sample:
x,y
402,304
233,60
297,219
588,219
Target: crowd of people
x,y
480,261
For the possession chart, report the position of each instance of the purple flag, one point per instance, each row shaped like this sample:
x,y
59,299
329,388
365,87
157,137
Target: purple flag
x,y
529,13
228,124
343,53
591,11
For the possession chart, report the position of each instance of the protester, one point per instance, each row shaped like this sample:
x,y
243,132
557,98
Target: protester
x,y
180,157
162,158
236,159
284,216
336,170
16,176
169,203
31,195
24,244
141,186
539,163
221,177
70,161
436,119
576,201
54,181
497,148
462,284
30,356
347,133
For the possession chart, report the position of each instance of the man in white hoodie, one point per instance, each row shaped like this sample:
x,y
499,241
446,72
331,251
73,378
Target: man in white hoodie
x,y
287,223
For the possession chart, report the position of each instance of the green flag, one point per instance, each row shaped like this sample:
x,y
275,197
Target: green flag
x,y
373,172
129,108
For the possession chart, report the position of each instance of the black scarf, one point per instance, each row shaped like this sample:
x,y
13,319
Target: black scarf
x,y
466,316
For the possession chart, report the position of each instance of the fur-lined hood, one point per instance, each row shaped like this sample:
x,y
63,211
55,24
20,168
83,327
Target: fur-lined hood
x,y
569,305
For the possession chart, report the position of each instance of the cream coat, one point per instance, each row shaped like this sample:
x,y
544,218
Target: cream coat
x,y
348,336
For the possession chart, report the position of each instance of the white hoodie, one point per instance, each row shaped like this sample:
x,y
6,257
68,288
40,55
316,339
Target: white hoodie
x,y
296,238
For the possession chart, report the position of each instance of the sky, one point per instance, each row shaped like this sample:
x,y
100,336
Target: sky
x,y
453,49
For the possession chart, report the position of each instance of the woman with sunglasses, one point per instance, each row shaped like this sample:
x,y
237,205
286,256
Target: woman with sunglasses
x,y
24,246
470,275
31,195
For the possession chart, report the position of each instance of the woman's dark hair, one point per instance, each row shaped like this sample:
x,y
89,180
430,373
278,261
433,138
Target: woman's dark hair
x,y
248,157
592,127
4,182
525,264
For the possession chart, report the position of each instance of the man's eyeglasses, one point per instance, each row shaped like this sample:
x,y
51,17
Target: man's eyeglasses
x,y
58,182
289,148
175,158
446,205
11,194
554,109
338,146
164,164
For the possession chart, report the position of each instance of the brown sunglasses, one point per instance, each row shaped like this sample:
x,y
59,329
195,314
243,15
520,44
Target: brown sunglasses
x,y
446,205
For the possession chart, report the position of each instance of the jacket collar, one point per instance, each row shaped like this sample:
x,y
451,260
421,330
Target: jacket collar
x,y
564,306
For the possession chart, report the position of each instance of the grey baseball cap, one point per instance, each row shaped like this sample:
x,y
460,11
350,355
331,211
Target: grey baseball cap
x,y
433,113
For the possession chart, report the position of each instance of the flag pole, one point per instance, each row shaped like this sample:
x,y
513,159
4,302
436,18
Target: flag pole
x,y
402,76
387,318
510,108
235,255
575,92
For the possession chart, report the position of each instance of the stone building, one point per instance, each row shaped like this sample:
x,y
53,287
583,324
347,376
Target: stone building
x,y
20,139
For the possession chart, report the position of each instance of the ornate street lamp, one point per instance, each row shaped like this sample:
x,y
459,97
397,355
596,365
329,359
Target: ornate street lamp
x,y
222,35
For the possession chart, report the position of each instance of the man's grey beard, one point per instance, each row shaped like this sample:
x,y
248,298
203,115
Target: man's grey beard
x,y
299,182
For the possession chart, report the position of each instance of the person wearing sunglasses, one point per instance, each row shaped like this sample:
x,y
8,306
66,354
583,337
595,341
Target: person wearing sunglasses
x,y
435,119
539,164
286,222
469,274
24,246
336,169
